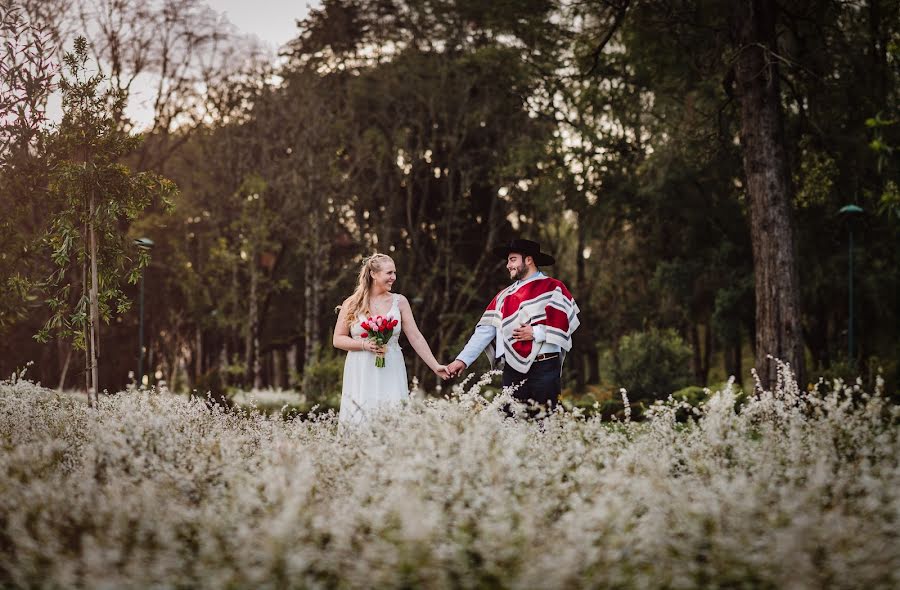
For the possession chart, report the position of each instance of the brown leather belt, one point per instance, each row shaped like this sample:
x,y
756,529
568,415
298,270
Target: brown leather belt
x,y
546,357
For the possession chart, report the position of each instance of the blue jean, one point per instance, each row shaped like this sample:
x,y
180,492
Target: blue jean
x,y
542,383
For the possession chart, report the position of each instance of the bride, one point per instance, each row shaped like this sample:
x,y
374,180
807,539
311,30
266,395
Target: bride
x,y
366,387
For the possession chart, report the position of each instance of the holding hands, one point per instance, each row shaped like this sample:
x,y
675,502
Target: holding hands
x,y
441,371
455,368
523,333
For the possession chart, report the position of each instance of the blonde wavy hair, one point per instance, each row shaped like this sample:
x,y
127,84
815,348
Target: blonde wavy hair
x,y
359,301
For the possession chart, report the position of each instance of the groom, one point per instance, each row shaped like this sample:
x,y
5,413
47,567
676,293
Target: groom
x,y
527,328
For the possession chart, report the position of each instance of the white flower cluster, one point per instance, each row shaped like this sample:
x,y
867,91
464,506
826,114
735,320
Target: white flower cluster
x,y
782,490
268,398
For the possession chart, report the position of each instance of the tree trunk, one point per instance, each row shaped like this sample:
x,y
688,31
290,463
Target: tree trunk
x,y
879,42
151,368
257,361
198,353
223,362
291,362
696,362
87,363
732,355
315,274
95,307
707,352
316,294
251,354
87,332
593,366
702,353
173,369
816,335
580,358
277,369
778,328
312,292
65,368
308,313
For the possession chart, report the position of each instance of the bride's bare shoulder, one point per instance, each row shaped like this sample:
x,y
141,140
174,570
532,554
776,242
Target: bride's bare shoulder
x,y
401,299
342,308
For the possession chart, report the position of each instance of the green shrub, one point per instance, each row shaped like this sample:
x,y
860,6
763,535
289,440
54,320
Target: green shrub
x,y
692,394
695,395
322,379
868,371
651,364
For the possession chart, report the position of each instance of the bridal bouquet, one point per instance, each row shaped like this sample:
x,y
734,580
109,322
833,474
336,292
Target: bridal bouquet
x,y
380,329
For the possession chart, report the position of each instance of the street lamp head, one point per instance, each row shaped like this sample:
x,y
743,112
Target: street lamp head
x,y
850,210
144,243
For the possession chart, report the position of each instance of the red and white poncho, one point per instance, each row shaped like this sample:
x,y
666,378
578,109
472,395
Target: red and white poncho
x,y
541,301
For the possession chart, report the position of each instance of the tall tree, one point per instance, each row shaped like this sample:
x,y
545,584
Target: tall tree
x,y
739,48
756,73
98,196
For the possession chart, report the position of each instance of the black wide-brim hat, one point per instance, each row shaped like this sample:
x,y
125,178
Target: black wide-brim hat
x,y
525,248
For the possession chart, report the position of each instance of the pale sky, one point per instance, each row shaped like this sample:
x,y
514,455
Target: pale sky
x,y
273,21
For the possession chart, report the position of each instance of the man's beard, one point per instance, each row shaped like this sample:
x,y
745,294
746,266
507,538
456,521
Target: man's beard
x,y
519,273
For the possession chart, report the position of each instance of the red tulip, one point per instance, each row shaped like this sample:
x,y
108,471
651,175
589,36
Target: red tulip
x,y
365,334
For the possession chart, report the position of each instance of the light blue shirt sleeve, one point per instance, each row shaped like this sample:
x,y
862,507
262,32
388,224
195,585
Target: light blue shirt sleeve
x,y
540,337
482,336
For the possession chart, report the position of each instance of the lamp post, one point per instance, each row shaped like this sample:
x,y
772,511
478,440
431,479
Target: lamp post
x,y
143,244
850,212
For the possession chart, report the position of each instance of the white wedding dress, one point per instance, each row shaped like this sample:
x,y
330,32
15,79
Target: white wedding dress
x,y
368,389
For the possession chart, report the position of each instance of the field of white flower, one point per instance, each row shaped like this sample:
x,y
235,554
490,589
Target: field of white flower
x,y
155,490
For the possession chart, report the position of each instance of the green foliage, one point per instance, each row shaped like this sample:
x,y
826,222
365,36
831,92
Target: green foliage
x,y
692,394
889,200
816,176
321,381
651,364
28,74
733,310
889,204
93,191
868,375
